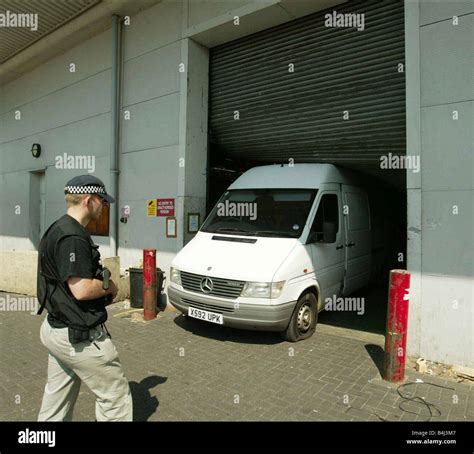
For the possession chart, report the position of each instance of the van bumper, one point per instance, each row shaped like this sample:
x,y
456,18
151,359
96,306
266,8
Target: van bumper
x,y
246,316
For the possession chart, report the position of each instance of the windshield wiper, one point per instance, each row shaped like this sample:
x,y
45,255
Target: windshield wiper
x,y
249,233
273,232
233,229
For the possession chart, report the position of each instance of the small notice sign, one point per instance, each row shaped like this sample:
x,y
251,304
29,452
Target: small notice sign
x,y
165,207
171,227
151,207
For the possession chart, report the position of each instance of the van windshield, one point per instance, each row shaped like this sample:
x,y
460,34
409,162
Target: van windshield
x,y
261,212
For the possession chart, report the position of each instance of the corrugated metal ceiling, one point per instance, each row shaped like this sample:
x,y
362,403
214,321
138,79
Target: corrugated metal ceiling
x,y
51,14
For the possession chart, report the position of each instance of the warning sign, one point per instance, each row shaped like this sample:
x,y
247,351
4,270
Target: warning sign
x,y
165,207
151,207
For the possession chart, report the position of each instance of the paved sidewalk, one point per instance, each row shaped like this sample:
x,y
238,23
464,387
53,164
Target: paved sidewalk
x,y
182,369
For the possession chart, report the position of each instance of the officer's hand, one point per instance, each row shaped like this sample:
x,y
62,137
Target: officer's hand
x,y
113,289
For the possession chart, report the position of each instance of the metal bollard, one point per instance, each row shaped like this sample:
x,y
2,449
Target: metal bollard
x,y
149,284
396,331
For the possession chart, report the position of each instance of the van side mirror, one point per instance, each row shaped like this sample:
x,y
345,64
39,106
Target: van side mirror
x,y
329,232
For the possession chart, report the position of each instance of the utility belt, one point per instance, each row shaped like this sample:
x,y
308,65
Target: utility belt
x,y
77,335
87,335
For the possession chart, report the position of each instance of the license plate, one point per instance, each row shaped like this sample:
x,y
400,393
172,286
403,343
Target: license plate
x,y
207,316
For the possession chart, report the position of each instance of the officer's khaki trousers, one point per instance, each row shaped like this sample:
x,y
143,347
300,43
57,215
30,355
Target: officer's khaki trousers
x,y
100,370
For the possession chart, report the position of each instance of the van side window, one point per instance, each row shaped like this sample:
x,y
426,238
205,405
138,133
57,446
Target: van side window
x,y
328,211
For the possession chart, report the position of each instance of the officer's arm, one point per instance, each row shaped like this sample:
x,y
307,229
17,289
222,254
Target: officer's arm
x,y
88,289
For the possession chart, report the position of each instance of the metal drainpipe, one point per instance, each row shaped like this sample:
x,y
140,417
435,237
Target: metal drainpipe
x,y
115,139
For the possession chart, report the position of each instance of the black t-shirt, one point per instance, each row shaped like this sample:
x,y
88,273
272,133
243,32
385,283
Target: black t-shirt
x,y
70,251
73,258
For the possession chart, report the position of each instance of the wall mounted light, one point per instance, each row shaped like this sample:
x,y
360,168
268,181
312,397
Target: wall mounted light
x,y
36,150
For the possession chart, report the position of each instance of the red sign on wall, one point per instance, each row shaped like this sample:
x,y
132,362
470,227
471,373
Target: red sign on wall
x,y
165,207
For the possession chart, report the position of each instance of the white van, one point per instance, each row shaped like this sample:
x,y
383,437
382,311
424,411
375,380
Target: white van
x,y
279,242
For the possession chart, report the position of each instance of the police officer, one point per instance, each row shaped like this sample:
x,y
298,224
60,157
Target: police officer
x,y
71,288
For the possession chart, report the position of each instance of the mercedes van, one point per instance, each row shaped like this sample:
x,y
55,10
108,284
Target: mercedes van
x,y
279,242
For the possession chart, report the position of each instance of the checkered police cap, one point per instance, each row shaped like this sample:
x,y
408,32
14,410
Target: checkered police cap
x,y
84,190
87,184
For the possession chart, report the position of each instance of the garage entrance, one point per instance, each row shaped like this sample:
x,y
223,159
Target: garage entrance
x,y
326,88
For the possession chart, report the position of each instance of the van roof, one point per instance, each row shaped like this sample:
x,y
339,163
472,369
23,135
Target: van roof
x,y
296,176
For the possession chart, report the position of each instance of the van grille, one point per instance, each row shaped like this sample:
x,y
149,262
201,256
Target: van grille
x,y
206,307
226,288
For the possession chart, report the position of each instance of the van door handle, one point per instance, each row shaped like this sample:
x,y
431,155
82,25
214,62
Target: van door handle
x,y
350,244
340,246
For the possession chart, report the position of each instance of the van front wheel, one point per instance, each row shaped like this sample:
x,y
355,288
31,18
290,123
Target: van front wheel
x,y
304,319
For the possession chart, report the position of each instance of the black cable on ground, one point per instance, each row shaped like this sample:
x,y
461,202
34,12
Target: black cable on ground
x,y
419,400
416,399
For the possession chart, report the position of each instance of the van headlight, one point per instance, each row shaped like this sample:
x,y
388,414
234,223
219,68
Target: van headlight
x,y
175,276
262,289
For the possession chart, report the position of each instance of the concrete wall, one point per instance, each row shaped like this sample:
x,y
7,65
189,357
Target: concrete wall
x,y
70,113
150,139
440,199
57,112
163,144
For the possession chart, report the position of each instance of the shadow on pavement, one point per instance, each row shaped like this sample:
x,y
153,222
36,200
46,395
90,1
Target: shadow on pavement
x,y
222,333
144,404
377,355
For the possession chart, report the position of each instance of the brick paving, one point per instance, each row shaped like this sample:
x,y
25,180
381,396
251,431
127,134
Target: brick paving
x,y
183,369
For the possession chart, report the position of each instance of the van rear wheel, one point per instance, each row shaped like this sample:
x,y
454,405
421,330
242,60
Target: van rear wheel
x,y
304,319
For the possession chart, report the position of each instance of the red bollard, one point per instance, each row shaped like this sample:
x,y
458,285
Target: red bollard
x,y
397,320
149,284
